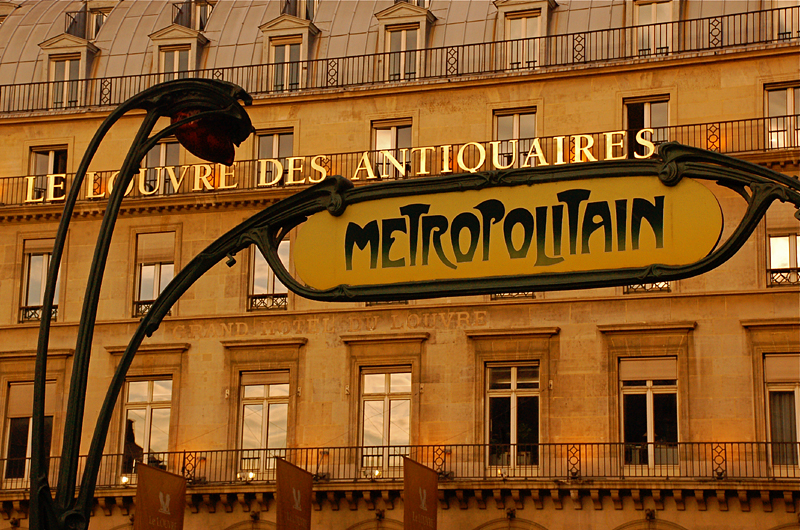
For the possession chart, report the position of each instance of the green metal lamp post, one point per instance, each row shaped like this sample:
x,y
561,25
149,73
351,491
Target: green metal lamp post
x,y
208,119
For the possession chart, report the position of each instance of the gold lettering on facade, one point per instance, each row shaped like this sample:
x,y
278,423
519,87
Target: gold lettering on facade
x,y
224,173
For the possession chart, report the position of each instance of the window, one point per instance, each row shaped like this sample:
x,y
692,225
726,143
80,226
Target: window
x,y
64,74
19,404
46,161
385,418
515,130
146,430
267,291
782,378
649,402
97,18
157,180
512,395
403,59
277,145
654,28
392,142
264,419
175,63
36,262
523,30
155,257
784,256
300,8
783,111
419,3
646,113
286,64
202,12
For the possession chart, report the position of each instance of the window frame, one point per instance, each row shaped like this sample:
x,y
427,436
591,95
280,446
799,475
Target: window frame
x,y
523,51
514,458
157,174
148,407
384,168
274,297
781,456
784,276
389,461
67,92
33,313
277,135
406,55
265,454
8,417
783,131
138,306
179,50
286,73
57,155
655,34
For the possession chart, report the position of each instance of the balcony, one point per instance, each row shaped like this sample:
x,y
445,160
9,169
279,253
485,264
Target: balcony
x,y
721,462
645,43
742,138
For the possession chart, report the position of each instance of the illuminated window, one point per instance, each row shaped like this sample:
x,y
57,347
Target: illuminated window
x,y
264,418
385,417
782,379
649,410
784,256
266,290
155,257
783,112
393,137
36,262
512,397
402,44
146,414
65,74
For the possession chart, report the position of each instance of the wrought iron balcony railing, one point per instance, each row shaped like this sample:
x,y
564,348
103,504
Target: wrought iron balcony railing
x,y
258,302
735,137
784,276
33,313
735,461
649,42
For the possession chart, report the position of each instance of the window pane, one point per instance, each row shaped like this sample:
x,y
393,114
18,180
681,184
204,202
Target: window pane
x,y
500,378
36,266
159,430
41,162
162,390
172,154
527,420
260,273
776,102
374,383
265,142
783,428
635,115
254,391
411,40
404,136
395,39
399,414
400,383
167,273
663,12
285,145
59,161
505,127
137,391
146,281
659,114
373,423
281,390
635,418
528,377
276,436
515,28
252,426
280,53
169,61
527,125
183,60
645,13
17,451
665,418
133,447
383,139
500,420
779,252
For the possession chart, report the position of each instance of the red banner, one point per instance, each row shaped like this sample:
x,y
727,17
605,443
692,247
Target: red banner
x,y
293,496
420,496
160,499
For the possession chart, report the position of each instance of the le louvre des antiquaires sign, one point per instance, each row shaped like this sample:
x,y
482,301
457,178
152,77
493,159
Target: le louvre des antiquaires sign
x,y
294,490
420,496
160,499
557,227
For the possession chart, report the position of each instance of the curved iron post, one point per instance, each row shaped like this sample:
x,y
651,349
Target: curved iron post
x,y
211,99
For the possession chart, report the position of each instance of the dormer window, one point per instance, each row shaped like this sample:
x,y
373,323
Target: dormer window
x,y
87,22
287,40
97,17
300,8
175,62
177,51
65,73
286,63
523,29
403,32
67,63
192,14
655,37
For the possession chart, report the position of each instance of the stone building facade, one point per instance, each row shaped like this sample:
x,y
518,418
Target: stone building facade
x,y
670,405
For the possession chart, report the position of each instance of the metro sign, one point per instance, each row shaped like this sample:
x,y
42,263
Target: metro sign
x,y
578,226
